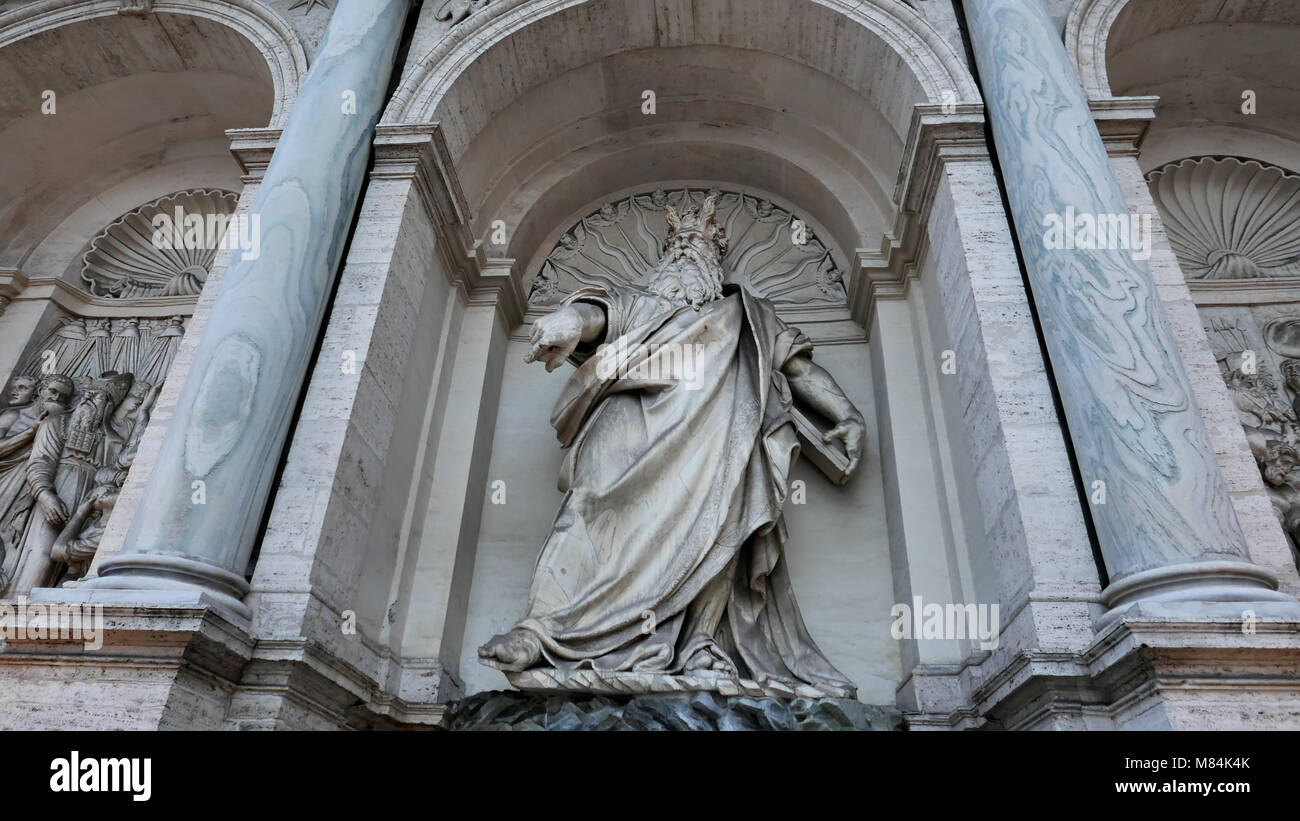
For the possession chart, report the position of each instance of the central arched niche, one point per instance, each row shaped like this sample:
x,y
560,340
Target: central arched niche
x,y
810,100
838,551
803,103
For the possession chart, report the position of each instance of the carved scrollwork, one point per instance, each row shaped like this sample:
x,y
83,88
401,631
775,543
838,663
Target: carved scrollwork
x,y
622,240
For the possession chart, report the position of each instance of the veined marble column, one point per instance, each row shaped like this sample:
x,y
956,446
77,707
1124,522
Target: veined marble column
x,y
234,411
1165,524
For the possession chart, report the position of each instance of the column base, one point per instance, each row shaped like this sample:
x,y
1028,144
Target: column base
x,y
1201,582
168,577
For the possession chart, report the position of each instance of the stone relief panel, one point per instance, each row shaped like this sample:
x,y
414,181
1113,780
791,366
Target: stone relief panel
x,y
1229,218
163,248
1258,350
76,409
769,249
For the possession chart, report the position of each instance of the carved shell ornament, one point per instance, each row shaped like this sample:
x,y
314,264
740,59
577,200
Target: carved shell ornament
x,y
130,259
620,244
1229,218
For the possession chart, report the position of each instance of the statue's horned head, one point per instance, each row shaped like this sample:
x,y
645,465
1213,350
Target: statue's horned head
x,y
697,225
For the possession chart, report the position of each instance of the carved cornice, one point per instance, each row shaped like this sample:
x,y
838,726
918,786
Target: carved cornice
x,y
417,153
1123,122
1261,291
19,288
253,148
938,135
495,282
12,283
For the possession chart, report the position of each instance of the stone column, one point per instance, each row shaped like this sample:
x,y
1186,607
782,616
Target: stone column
x,y
1166,526
212,478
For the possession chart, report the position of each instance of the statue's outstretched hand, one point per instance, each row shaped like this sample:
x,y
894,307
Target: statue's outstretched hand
x,y
852,432
554,337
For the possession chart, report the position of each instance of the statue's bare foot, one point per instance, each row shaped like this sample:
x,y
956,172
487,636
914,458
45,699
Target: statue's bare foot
x,y
709,658
514,651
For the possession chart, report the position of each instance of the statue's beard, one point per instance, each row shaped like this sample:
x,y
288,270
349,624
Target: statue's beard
x,y
687,277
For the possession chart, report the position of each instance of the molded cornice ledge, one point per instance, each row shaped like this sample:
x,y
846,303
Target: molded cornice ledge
x,y
153,656
417,152
939,134
253,148
1123,122
16,286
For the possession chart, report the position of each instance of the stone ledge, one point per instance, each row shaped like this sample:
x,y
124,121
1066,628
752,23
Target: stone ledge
x,y
147,668
1158,666
513,710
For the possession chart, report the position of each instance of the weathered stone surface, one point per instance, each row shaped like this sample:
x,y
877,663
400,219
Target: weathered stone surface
x,y
513,710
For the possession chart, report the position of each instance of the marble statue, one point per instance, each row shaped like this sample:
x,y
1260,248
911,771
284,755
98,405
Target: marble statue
x,y
1279,465
78,541
18,421
67,454
664,569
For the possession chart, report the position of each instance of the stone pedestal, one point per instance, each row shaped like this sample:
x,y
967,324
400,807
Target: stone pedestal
x,y
497,710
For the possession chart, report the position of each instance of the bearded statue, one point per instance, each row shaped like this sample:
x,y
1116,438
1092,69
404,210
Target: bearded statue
x,y
68,452
665,567
29,400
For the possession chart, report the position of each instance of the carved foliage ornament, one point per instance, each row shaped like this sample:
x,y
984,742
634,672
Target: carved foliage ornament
x,y
1229,218
163,248
622,241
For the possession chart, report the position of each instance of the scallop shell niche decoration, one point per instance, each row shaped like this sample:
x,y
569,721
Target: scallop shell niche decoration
x,y
1229,218
158,249
620,243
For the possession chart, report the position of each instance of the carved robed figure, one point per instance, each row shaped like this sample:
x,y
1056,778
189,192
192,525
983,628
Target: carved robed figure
x,y
664,569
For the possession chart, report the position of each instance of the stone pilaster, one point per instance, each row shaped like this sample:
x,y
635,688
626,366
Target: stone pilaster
x,y
339,539
1023,541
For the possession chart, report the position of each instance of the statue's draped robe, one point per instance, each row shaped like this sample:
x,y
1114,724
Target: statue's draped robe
x,y
15,502
673,491
69,470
